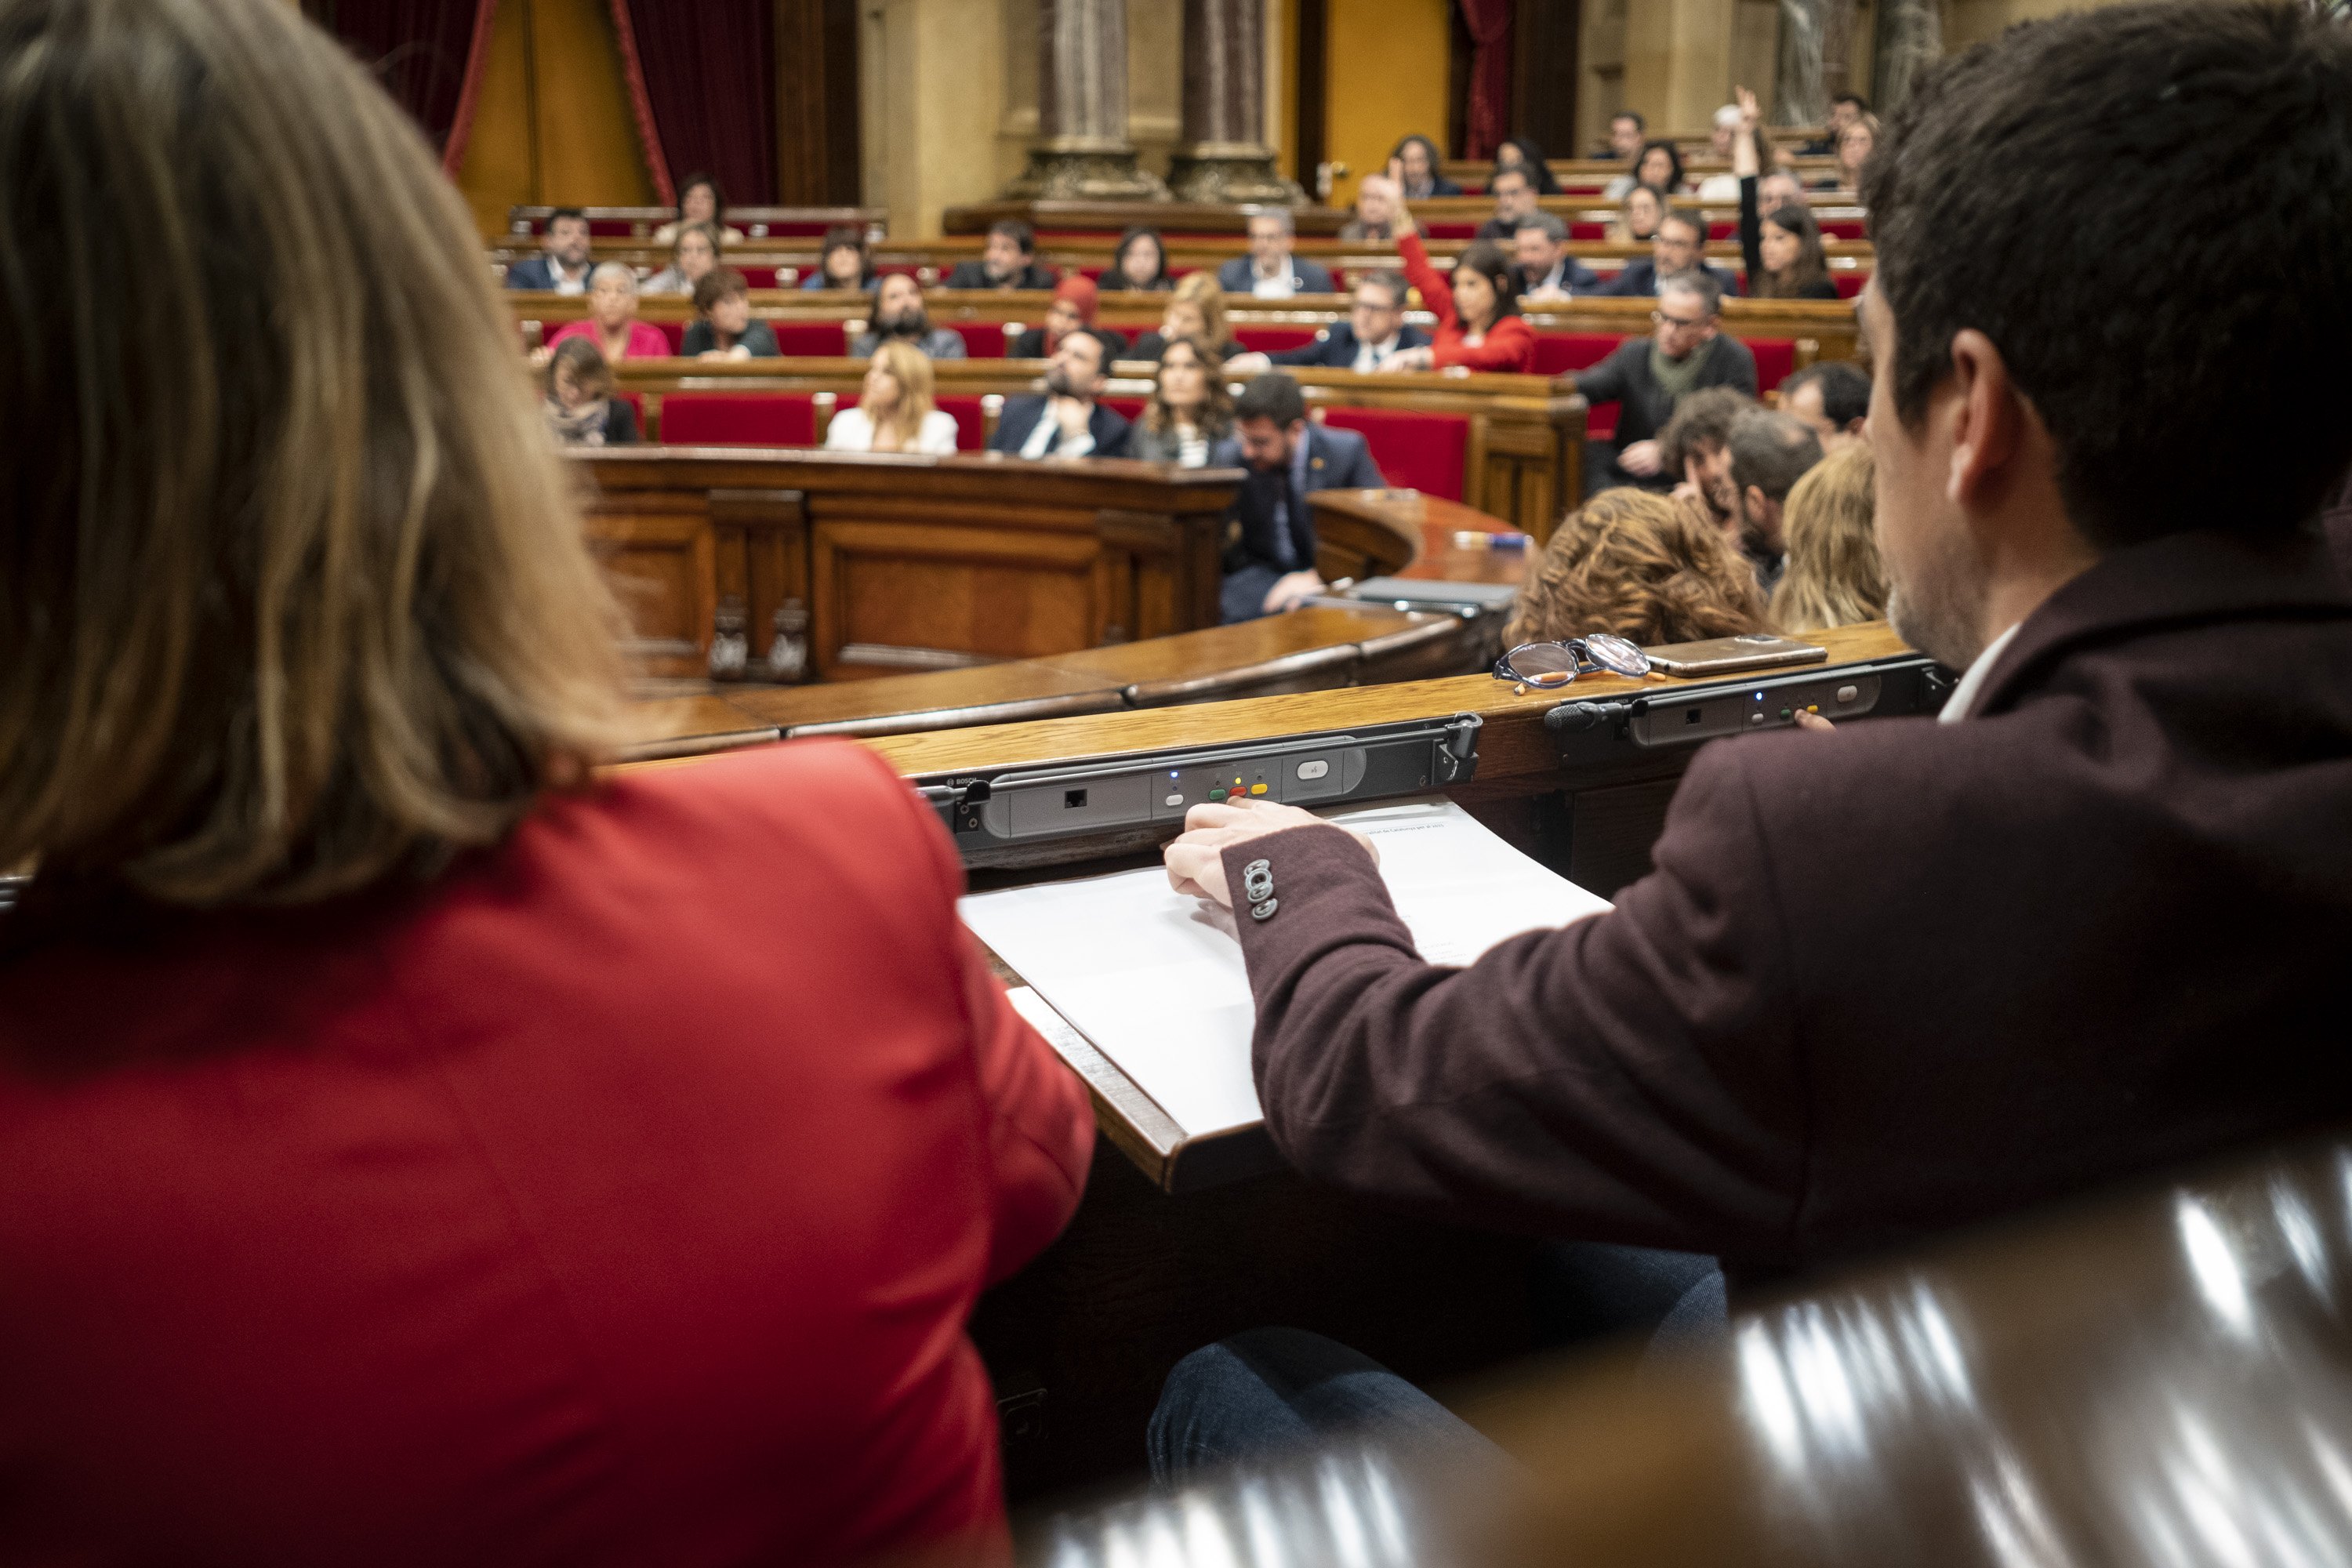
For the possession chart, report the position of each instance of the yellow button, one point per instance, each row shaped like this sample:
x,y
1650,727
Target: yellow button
x,y
1257,789
1813,707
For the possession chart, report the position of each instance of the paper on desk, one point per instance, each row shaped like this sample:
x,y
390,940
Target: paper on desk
x,y
1161,988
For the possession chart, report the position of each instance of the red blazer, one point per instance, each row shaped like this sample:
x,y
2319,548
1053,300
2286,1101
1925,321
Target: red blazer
x,y
1509,345
620,1199
646,340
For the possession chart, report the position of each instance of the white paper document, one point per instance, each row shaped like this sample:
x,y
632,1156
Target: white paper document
x,y
1156,982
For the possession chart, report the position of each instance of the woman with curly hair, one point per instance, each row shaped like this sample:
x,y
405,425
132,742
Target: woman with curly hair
x,y
1835,576
1635,564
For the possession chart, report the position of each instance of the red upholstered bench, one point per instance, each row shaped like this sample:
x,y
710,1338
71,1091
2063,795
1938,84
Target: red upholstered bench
x,y
1426,452
809,340
1845,229
981,340
1850,285
1127,408
1274,340
1588,231
972,424
765,278
1776,361
1558,353
1452,230
738,419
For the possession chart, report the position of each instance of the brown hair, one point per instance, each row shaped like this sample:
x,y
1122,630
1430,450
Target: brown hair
x,y
315,607
719,283
1835,576
1813,263
1634,564
590,371
1216,417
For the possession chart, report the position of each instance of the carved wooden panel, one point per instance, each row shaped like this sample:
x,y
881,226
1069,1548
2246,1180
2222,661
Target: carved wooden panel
x,y
660,557
1002,594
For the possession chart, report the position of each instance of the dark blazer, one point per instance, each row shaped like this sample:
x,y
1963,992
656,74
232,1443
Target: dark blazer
x,y
1031,344
1644,406
507,1218
1439,185
1338,350
1640,277
1889,981
1020,416
537,272
758,337
1336,460
1151,345
1581,279
973,275
1307,277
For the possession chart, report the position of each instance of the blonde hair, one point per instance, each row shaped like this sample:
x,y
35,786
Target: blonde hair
x,y
314,606
1634,563
1202,290
912,372
1835,576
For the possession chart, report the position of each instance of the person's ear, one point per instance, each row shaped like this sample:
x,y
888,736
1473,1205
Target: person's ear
x,y
1987,412
1753,503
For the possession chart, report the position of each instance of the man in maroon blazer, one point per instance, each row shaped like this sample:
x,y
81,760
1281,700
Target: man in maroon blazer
x,y
1911,974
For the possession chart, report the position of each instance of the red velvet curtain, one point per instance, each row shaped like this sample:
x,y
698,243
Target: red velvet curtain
x,y
705,75
1489,120
429,54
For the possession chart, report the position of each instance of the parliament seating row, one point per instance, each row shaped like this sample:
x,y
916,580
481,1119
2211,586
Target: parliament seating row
x,y
1507,444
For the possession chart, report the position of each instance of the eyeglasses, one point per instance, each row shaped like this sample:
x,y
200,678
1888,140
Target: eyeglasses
x,y
1557,663
1660,318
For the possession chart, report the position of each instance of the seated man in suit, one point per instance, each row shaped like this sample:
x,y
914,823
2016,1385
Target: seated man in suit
x,y
564,265
1546,271
1645,377
1680,246
1066,420
1912,975
1269,270
1374,330
1008,260
1270,532
1514,202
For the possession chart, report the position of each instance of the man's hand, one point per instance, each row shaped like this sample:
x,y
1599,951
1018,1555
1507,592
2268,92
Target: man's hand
x,y
1290,588
1813,721
1072,416
1422,358
1196,861
1641,458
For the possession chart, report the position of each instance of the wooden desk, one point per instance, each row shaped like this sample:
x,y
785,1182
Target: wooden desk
x,y
1523,459
1453,543
886,563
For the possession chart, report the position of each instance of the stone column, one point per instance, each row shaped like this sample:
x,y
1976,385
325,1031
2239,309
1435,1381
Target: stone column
x,y
1221,155
1799,96
1910,39
1083,153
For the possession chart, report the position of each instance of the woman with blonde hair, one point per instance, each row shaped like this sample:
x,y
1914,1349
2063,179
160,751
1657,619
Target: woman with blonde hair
x,y
1634,564
1196,310
1190,411
415,1145
1834,578
895,413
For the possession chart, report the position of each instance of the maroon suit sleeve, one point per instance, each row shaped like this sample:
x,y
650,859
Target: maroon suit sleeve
x,y
1633,1077
1041,1130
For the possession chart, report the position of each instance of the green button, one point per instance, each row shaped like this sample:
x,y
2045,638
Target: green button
x,y
1216,794
1785,713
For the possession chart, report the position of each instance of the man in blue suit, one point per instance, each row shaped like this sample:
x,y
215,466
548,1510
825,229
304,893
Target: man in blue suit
x,y
1269,558
1068,420
1374,330
1269,270
1680,247
563,269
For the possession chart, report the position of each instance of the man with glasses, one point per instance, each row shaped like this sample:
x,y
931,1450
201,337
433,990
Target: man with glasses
x,y
1646,377
1680,246
1374,330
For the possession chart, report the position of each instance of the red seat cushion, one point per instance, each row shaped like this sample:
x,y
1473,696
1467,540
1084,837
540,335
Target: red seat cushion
x,y
1127,408
1451,230
676,332
761,277
1557,354
1426,452
1776,361
1850,285
1588,231
1845,229
1723,230
971,426
738,419
811,340
1273,339
981,340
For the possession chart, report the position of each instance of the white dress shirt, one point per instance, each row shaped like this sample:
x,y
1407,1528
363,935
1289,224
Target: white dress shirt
x,y
1964,696
1041,440
1281,285
853,431
1371,356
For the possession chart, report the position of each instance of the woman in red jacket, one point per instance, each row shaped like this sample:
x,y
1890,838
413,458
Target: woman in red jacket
x,y
414,1148
1477,310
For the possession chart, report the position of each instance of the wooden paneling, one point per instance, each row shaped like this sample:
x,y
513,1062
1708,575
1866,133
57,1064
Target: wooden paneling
x,y
817,109
876,564
1544,37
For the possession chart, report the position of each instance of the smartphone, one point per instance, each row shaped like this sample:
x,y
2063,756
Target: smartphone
x,y
1725,655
